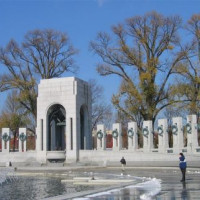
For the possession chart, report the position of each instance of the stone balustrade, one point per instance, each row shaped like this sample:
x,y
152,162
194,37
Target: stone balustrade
x,y
6,137
177,130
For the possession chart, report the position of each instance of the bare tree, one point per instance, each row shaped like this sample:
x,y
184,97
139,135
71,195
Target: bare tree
x,y
43,54
138,52
190,68
101,112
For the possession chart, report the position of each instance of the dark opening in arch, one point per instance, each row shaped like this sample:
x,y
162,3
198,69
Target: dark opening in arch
x,y
84,127
56,128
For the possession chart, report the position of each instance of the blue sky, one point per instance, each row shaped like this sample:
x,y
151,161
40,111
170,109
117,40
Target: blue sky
x,y
81,20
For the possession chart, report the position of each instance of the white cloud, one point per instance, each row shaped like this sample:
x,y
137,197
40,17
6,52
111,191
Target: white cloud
x,y
101,2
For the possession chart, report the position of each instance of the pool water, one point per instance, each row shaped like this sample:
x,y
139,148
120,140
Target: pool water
x,y
37,186
28,188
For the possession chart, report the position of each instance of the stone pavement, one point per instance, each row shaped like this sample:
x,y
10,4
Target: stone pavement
x,y
130,164
172,188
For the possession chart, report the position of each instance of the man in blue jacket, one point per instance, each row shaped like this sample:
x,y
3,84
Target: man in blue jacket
x,y
182,165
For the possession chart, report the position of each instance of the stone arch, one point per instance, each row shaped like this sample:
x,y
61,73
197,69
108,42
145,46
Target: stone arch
x,y
84,127
56,128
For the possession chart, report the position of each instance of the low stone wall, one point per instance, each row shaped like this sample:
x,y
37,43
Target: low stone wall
x,y
29,156
104,158
108,156
179,133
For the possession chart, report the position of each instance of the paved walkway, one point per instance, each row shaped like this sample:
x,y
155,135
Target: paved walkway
x,y
172,188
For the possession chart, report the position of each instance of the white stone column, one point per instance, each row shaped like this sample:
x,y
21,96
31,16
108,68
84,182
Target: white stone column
x,y
68,134
6,133
132,136
192,136
76,137
39,132
72,138
117,137
163,137
45,140
177,132
101,137
22,139
147,132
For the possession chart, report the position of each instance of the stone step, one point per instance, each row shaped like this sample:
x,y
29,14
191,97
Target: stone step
x,y
96,181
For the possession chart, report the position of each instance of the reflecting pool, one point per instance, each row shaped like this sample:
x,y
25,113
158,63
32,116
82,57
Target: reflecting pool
x,y
43,185
37,186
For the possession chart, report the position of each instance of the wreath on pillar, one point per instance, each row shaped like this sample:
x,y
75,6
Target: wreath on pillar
x,y
188,128
145,131
174,129
115,133
99,134
5,137
160,130
22,137
130,132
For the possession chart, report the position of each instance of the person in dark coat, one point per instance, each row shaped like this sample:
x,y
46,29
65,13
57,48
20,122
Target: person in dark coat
x,y
182,165
123,162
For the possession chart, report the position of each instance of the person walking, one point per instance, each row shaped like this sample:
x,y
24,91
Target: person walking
x,y
123,162
182,165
